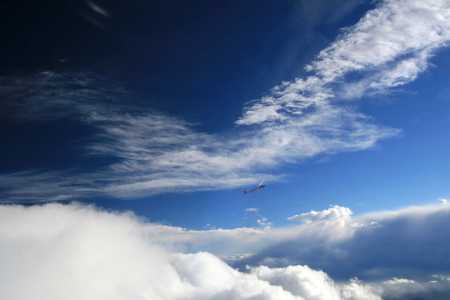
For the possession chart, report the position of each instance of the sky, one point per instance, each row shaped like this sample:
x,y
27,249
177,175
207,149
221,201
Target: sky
x,y
142,123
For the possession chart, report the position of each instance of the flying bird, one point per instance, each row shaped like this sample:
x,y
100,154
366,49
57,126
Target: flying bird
x,y
259,187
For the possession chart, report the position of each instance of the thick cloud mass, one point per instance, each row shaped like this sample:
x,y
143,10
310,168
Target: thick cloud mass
x,y
411,241
78,252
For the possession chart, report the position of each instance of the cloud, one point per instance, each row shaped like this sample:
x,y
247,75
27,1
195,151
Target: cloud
x,y
77,252
151,152
333,213
46,186
410,241
264,222
388,34
444,200
260,219
435,287
389,47
98,9
314,285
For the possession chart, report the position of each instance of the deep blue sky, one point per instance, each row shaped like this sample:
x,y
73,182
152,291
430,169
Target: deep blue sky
x,y
201,62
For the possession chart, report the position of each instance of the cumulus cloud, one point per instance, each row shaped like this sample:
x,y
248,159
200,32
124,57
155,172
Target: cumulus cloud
x,y
410,241
79,252
333,213
407,242
314,285
435,287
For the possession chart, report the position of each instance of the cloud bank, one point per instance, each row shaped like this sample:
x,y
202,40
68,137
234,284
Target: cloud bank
x,y
79,252
406,242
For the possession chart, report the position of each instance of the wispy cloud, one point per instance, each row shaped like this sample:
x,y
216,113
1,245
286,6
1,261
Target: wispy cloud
x,y
259,218
44,186
387,48
154,153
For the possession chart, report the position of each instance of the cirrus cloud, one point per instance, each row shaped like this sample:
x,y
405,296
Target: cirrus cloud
x,y
151,152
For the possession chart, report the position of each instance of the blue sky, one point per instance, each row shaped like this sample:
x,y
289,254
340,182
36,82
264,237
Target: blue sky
x,y
131,129
192,71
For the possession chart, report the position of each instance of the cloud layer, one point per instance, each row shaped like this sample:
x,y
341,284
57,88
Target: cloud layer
x,y
78,252
406,242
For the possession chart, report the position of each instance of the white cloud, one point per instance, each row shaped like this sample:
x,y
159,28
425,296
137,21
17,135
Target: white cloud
x,y
438,287
374,244
368,246
77,252
314,285
29,186
154,153
159,153
333,213
387,48
260,219
395,29
444,200
264,222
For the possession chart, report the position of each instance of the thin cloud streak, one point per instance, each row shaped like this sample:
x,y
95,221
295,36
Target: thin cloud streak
x,y
389,47
154,153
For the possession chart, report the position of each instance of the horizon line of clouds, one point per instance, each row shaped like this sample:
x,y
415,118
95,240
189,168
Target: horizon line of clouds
x,y
298,120
334,224
109,255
